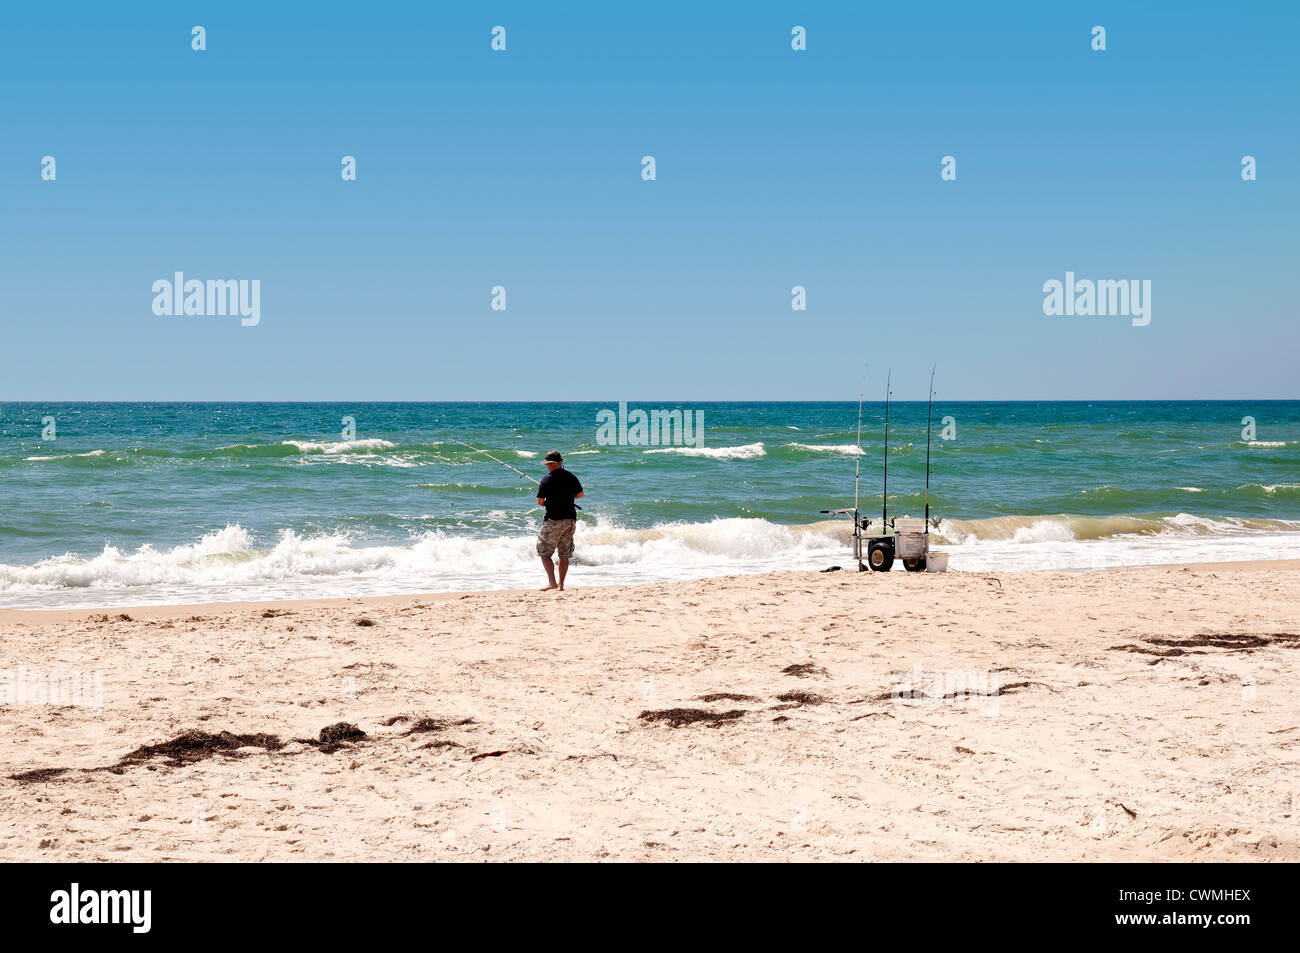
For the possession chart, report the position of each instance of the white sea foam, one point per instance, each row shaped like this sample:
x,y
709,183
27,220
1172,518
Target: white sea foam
x,y
747,452
1170,546
360,460
339,446
67,456
851,450
233,564
1270,488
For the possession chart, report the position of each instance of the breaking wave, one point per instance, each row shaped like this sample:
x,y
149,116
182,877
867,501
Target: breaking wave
x,y
230,564
66,456
339,446
1029,529
849,449
1273,489
749,451
234,564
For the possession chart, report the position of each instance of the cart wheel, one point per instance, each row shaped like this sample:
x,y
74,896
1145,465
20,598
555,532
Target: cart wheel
x,y
880,556
914,565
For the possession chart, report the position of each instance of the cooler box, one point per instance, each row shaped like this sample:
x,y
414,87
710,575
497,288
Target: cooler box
x,y
909,537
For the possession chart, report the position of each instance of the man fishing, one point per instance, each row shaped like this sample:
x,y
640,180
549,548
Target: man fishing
x,y
557,491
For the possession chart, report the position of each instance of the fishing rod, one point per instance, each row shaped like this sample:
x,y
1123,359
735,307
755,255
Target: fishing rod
x,y
857,465
503,463
884,496
857,470
857,473
929,405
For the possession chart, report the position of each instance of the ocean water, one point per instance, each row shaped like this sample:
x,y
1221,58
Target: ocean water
x,y
194,502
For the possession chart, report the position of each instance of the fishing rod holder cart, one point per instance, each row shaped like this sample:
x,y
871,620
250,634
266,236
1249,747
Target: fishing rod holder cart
x,y
902,537
860,525
909,542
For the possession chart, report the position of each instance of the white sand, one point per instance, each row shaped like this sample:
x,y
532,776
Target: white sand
x,y
1089,751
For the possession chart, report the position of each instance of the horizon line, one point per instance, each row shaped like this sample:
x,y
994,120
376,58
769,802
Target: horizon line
x,y
847,400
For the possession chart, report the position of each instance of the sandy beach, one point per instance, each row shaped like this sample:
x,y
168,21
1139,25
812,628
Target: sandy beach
x,y
1142,714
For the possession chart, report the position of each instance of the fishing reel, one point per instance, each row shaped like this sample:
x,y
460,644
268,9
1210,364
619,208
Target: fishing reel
x,y
935,521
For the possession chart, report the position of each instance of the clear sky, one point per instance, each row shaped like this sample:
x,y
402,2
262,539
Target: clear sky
x,y
522,168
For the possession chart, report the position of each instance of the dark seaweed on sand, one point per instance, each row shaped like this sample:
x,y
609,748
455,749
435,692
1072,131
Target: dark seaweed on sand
x,y
677,717
804,670
437,724
1230,641
332,737
802,698
194,746
39,774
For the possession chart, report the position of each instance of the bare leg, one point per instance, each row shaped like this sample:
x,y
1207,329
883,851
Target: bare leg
x,y
564,570
550,572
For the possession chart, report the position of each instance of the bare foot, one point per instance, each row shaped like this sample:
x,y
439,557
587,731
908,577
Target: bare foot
x,y
561,588
548,588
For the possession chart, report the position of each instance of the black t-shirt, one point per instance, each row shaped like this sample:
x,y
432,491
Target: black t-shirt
x,y
558,488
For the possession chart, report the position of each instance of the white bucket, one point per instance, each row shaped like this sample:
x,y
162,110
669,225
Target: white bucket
x,y
936,562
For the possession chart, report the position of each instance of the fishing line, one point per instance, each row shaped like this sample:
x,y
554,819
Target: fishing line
x,y
503,463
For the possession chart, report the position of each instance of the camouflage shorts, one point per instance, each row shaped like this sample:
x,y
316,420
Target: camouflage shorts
x,y
556,534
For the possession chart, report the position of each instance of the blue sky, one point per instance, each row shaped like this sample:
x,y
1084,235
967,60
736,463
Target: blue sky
x,y
522,169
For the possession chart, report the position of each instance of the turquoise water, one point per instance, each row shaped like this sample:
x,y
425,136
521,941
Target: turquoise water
x,y
134,503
